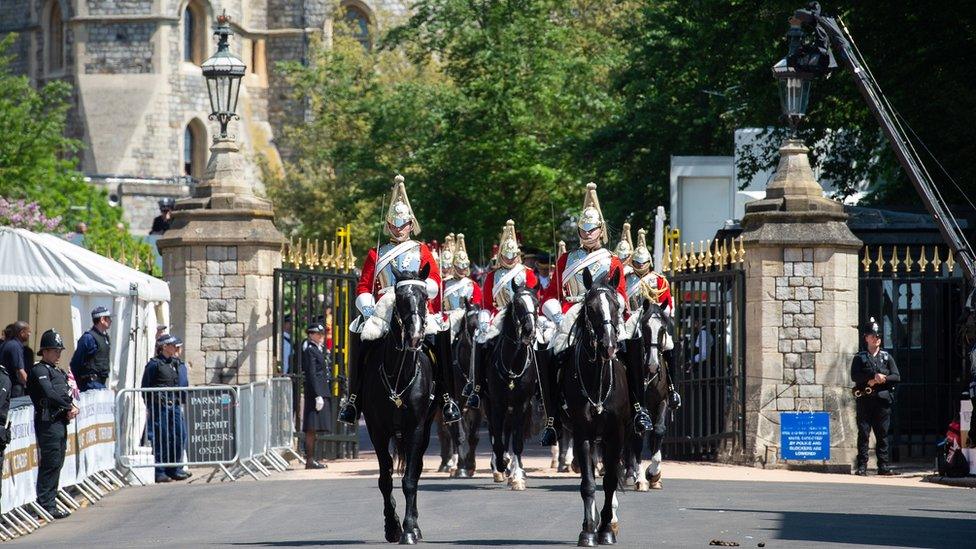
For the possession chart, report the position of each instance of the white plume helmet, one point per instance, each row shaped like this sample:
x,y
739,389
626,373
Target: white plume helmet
x,y
641,259
446,258
461,260
400,212
508,247
592,216
625,248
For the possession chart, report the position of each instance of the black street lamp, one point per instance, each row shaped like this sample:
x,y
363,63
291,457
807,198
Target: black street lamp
x,y
808,58
223,71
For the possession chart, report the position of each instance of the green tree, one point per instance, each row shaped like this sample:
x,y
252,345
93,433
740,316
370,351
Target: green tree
x,y
38,162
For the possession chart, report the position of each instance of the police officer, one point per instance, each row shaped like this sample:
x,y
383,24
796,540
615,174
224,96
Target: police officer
x,y
874,374
317,417
166,429
48,388
91,362
162,221
15,357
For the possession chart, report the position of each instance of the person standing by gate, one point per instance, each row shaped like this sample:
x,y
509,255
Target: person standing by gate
x,y
91,362
165,427
318,401
48,388
874,374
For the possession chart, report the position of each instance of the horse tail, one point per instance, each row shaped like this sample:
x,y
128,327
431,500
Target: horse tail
x,y
401,454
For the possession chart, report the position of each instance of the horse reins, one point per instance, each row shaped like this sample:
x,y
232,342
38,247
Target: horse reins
x,y
397,396
603,362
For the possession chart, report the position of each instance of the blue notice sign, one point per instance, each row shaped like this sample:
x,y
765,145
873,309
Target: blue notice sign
x,y
805,435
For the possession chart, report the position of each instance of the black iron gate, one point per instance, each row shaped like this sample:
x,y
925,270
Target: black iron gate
x,y
916,296
317,287
708,368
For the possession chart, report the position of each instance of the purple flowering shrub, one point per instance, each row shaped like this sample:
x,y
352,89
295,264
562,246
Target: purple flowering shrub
x,y
26,215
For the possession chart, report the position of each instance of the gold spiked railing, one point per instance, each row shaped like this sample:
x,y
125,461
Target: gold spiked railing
x,y
335,255
705,256
907,260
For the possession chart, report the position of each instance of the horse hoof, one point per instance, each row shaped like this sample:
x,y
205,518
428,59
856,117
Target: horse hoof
x,y
459,473
576,468
498,477
518,485
587,539
470,474
393,532
443,468
606,538
408,538
657,485
641,486
655,481
553,464
416,532
563,468
615,528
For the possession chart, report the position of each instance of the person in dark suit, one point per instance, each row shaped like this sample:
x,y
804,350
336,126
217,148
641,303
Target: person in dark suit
x,y
16,357
318,400
874,374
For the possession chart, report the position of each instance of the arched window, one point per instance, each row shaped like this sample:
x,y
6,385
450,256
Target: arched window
x,y
358,23
55,38
194,31
194,149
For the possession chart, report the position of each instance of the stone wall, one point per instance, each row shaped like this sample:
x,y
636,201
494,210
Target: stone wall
x,y
119,48
119,7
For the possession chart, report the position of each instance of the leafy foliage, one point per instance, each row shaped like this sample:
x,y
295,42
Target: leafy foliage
x,y
38,163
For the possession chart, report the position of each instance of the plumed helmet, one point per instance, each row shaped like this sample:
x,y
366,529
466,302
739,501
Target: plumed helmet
x,y
625,247
447,252
50,339
641,254
592,216
461,260
400,212
508,247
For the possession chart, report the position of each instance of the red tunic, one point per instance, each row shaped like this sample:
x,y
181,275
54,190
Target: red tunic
x,y
555,289
488,301
368,283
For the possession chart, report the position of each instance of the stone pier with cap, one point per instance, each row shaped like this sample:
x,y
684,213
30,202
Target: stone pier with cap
x,y
219,258
801,310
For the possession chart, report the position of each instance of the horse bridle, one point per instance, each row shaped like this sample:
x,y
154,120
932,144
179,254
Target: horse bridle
x,y
395,395
608,323
505,373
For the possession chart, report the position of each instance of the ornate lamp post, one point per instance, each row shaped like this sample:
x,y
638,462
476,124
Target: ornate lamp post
x,y
223,71
808,59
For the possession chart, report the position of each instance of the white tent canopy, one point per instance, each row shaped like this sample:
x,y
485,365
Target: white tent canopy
x,y
64,282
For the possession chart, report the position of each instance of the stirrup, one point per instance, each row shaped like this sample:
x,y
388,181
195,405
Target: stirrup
x,y
452,414
549,436
474,401
642,420
349,414
468,390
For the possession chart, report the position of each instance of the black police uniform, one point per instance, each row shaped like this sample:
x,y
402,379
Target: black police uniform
x,y
4,410
91,370
318,379
48,388
14,358
874,410
166,429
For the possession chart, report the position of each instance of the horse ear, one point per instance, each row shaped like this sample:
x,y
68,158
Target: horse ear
x,y
646,305
424,271
465,302
397,274
587,278
614,279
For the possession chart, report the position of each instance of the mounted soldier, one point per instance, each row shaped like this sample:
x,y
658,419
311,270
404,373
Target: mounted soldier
x,y
642,279
510,273
375,297
459,288
561,300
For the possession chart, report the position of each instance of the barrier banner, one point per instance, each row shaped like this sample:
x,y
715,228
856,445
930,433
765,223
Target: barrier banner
x,y
96,432
20,460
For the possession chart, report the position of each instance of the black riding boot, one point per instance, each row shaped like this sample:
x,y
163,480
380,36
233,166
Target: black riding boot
x,y
442,351
348,413
474,395
635,385
549,375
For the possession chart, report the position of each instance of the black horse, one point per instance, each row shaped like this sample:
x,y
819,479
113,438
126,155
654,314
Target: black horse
x,y
651,352
467,357
513,377
594,386
399,403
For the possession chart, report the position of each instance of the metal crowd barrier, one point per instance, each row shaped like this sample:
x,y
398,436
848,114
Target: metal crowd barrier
x,y
231,428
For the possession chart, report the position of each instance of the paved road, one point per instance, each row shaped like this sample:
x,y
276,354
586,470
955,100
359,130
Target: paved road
x,y
282,512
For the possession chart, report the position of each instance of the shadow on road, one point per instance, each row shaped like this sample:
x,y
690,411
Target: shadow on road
x,y
866,529
461,542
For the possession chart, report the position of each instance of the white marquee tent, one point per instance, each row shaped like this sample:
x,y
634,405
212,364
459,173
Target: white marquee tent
x,y
59,283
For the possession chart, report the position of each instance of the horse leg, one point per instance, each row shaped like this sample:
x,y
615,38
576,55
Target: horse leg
x,y
473,425
414,448
518,442
454,464
607,534
653,474
565,452
391,522
497,444
444,438
587,537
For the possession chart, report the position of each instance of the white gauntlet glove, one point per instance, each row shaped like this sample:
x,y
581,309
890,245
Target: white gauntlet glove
x,y
319,404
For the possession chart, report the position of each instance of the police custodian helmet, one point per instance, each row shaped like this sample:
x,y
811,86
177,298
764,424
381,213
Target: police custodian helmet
x,y
871,328
51,339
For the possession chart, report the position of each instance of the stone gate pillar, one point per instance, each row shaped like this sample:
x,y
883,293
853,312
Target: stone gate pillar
x,y
219,258
801,310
